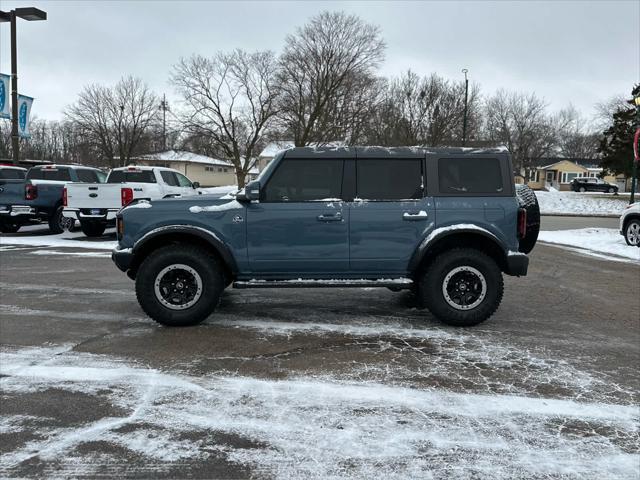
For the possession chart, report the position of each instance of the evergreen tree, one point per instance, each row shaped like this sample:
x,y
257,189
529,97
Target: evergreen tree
x,y
616,145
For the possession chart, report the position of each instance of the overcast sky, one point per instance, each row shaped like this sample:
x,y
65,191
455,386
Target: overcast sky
x,y
578,52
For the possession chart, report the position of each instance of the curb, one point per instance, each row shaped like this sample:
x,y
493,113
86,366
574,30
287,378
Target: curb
x,y
577,215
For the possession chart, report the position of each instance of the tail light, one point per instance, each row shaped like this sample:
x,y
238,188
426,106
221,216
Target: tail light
x,y
30,191
119,228
126,195
64,197
522,223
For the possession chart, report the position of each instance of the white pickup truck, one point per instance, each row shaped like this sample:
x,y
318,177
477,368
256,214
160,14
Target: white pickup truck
x,y
95,204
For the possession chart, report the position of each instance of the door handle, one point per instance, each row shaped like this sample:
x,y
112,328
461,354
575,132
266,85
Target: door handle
x,y
421,215
330,218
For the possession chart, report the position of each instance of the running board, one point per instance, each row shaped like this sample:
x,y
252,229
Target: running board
x,y
398,283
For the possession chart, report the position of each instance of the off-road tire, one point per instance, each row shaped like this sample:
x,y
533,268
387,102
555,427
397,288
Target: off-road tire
x,y
528,200
431,286
634,222
93,229
55,221
207,267
9,227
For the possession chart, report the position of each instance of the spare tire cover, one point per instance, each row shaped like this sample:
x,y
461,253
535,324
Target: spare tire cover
x,y
528,200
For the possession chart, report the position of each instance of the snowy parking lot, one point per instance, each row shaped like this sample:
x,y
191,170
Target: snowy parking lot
x,y
345,383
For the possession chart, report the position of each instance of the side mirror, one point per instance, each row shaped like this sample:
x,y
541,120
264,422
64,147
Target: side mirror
x,y
250,192
196,184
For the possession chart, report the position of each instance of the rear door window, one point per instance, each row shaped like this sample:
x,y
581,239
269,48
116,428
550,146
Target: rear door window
x,y
11,174
467,176
305,180
169,178
389,179
141,176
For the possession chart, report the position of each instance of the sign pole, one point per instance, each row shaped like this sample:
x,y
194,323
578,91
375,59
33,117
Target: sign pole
x,y
636,156
15,138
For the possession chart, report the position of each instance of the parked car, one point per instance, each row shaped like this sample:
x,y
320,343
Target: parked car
x,y
591,184
44,189
96,205
13,212
630,224
446,223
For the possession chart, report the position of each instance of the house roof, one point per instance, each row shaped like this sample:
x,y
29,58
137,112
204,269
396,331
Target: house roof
x,y
187,157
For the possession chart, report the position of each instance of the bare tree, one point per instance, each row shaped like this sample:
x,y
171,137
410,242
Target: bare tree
x,y
114,119
230,101
576,137
418,110
520,122
325,65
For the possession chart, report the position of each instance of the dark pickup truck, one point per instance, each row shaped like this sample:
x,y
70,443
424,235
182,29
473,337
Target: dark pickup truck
x,y
446,223
39,196
13,211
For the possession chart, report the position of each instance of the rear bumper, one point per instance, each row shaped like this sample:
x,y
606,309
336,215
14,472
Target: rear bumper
x,y
95,214
517,264
122,258
17,213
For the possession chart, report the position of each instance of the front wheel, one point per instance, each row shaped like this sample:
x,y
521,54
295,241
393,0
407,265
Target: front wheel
x,y
582,189
93,229
462,287
612,190
632,233
179,286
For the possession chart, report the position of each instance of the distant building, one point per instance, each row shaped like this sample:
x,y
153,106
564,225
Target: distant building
x,y
209,172
560,171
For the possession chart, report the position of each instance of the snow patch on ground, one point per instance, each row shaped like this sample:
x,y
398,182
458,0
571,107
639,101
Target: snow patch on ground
x,y
599,242
72,254
66,239
321,428
573,203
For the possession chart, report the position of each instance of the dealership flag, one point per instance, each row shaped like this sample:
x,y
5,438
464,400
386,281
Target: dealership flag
x,y
24,110
4,96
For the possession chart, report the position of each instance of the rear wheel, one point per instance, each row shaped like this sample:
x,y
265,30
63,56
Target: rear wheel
x,y
9,227
632,232
56,221
612,190
582,189
179,286
93,229
462,287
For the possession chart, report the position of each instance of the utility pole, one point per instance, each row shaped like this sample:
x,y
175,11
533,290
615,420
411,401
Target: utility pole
x,y
164,106
466,97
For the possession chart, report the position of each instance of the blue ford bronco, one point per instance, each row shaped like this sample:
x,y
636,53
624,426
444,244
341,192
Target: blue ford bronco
x,y
446,223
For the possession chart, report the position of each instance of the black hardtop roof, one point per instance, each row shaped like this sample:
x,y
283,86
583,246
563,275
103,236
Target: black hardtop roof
x,y
386,152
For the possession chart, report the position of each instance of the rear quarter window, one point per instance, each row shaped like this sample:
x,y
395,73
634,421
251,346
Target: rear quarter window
x,y
468,176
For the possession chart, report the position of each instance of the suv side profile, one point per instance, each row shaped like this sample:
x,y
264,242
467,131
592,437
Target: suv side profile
x,y
446,223
592,184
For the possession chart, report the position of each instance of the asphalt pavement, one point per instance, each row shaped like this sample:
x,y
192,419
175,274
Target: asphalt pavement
x,y
315,383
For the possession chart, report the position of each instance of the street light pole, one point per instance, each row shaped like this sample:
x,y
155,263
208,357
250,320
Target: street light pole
x,y
466,96
29,14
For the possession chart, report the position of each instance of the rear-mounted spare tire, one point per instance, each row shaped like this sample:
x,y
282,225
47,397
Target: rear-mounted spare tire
x,y
528,201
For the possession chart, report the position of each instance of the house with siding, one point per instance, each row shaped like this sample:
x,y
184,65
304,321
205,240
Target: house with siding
x,y
558,174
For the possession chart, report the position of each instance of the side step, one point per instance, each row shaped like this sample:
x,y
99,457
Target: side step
x,y
394,283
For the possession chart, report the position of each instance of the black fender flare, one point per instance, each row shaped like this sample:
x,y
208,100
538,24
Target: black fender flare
x,y
207,236
434,239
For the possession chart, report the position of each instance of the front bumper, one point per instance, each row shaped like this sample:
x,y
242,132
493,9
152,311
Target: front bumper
x,y
122,257
517,264
95,214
